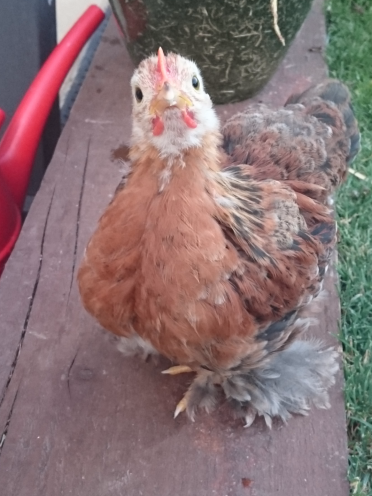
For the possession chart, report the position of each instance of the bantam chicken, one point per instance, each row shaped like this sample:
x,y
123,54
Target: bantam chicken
x,y
219,239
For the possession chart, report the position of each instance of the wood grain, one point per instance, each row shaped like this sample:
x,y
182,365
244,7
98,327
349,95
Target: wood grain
x,y
76,416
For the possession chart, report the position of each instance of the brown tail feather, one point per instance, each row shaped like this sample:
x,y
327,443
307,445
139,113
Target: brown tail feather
x,y
332,90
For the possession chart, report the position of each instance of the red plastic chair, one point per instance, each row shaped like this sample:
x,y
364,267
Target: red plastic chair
x,y
20,141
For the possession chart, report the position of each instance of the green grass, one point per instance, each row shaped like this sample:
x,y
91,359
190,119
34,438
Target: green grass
x,y
349,55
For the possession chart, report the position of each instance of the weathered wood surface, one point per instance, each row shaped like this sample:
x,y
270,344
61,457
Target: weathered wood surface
x,y
78,418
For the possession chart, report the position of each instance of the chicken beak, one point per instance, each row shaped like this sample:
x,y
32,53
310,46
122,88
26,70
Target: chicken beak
x,y
169,95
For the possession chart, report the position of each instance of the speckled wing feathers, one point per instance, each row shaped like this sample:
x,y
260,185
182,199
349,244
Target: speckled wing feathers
x,y
282,259
285,166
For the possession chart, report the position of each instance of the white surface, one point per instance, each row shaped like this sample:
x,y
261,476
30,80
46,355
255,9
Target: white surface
x,y
68,11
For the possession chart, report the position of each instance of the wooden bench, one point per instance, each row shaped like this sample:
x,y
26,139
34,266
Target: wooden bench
x,y
76,416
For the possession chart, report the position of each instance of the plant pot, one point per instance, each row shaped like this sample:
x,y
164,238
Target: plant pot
x,y
233,42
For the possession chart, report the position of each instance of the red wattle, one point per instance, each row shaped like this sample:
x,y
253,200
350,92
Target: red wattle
x,y
188,119
157,126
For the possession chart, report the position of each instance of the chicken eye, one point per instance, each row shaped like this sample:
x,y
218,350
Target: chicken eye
x,y
195,82
139,95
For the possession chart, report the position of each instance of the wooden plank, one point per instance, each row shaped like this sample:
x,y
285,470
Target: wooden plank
x,y
79,418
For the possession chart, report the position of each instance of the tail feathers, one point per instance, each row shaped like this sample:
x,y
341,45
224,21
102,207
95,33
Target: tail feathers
x,y
332,90
354,134
290,382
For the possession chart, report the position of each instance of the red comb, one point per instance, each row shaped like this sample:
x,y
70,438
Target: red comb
x,y
161,65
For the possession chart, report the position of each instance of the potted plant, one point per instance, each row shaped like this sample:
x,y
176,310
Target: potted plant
x,y
237,44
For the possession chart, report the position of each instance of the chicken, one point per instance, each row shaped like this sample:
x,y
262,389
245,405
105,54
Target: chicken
x,y
220,239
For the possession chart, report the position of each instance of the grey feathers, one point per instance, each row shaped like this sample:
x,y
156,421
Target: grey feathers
x,y
289,382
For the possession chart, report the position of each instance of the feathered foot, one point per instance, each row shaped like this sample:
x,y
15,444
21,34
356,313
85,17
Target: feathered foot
x,y
180,369
290,381
202,393
134,345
